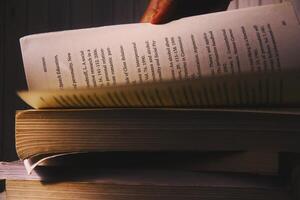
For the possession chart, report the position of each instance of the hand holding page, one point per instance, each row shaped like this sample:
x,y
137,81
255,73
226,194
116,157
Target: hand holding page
x,y
246,57
250,54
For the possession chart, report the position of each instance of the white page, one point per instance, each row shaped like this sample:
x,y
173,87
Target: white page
x,y
205,45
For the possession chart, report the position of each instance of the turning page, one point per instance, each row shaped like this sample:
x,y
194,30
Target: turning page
x,y
260,40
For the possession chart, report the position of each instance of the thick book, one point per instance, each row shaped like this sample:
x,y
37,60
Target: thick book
x,y
60,131
243,57
71,183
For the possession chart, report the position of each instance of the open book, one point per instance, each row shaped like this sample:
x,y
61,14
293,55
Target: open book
x,y
243,57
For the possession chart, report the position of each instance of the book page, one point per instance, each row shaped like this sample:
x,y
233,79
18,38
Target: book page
x,y
241,57
273,89
257,39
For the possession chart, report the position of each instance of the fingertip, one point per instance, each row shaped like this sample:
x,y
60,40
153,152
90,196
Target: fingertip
x,y
157,11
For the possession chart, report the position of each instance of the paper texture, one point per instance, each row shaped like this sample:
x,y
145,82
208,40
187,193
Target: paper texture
x,y
243,90
258,41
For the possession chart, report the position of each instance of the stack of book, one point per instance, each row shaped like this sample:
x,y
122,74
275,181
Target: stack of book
x,y
199,108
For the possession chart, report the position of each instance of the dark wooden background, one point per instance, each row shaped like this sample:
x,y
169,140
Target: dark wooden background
x,y
23,17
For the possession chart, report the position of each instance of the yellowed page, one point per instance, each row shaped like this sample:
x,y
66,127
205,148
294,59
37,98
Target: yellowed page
x,y
245,90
